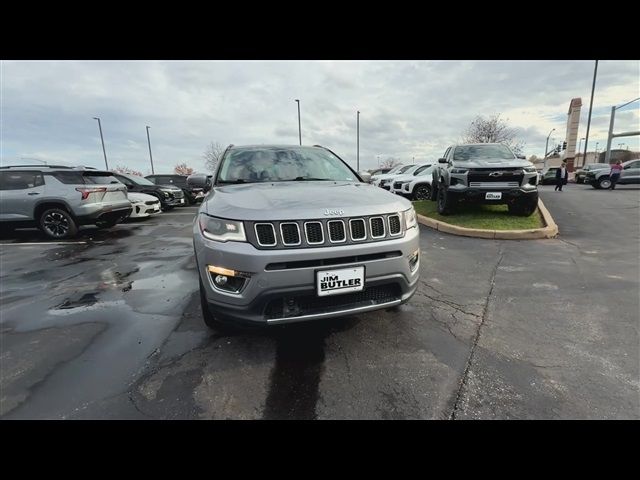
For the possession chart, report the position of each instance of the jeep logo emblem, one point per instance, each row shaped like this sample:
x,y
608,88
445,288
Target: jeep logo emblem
x,y
495,174
332,211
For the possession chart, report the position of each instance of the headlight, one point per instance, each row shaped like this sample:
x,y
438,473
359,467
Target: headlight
x,y
221,229
410,219
530,169
459,170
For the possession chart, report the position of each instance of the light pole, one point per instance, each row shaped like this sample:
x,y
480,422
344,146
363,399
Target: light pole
x,y
102,140
378,160
597,143
546,146
358,143
593,89
150,156
584,160
299,127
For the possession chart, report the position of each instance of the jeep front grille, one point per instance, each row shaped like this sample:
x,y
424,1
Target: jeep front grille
x,y
337,233
266,235
324,232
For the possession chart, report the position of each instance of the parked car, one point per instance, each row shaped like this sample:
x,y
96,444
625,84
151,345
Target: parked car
x,y
169,195
59,199
600,178
416,186
191,194
548,176
398,180
384,181
292,233
392,171
488,173
582,173
143,205
380,171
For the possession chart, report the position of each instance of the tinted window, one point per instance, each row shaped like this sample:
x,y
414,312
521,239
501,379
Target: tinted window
x,y
69,178
20,180
634,165
271,164
489,151
100,178
421,169
424,170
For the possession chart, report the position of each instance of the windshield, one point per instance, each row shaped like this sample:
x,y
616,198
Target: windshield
x,y
395,169
424,170
138,180
404,169
480,152
273,164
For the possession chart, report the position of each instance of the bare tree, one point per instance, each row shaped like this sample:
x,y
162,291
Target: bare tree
x,y
493,130
212,155
182,169
390,163
124,169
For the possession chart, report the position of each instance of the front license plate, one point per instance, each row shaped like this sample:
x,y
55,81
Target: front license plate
x,y
493,196
335,282
182,200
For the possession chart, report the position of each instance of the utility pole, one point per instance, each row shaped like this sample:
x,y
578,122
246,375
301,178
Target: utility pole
x,y
102,139
299,127
358,143
150,156
593,89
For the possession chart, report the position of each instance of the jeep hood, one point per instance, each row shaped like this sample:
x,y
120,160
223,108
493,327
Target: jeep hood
x,y
300,200
491,163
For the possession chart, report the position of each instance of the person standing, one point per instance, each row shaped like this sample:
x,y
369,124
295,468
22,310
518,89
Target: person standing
x,y
562,175
614,174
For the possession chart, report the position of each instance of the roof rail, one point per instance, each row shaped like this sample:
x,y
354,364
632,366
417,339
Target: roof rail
x,y
37,166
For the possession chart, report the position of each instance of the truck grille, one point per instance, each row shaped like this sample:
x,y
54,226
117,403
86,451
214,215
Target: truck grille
x,y
325,232
178,193
397,185
489,178
494,184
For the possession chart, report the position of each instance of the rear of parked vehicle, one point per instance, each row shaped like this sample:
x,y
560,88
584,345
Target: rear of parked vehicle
x,y
60,199
191,194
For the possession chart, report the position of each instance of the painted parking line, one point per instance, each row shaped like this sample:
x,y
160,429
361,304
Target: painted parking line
x,y
31,244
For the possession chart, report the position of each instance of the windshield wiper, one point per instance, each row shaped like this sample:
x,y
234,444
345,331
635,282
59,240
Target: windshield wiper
x,y
229,182
310,179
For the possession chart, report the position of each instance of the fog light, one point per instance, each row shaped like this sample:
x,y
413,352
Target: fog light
x,y
220,280
414,260
221,271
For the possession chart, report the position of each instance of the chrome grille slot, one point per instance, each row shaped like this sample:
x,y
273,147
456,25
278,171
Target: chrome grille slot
x,y
337,232
376,227
494,184
394,225
290,233
266,234
314,233
358,229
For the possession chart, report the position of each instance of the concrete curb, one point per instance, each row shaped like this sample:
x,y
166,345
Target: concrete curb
x,y
550,229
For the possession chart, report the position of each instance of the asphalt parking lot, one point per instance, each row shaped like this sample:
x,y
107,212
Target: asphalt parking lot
x,y
109,326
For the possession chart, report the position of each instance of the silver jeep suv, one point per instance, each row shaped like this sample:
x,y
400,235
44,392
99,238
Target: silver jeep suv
x,y
291,233
58,199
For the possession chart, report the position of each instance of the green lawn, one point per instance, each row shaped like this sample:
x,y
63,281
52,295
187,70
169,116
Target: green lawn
x,y
491,217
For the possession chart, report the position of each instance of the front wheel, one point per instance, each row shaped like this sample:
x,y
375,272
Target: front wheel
x,y
422,192
604,182
445,206
57,223
209,319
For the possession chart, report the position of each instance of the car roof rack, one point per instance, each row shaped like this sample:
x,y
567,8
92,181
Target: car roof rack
x,y
38,166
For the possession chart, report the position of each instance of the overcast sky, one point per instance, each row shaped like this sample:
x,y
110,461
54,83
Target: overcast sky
x,y
408,108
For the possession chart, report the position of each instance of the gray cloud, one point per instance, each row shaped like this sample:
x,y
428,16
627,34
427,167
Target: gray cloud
x,y
408,108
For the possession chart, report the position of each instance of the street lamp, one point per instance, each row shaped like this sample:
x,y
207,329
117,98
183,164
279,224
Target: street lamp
x,y
150,156
546,147
378,160
358,143
102,140
299,127
612,135
593,89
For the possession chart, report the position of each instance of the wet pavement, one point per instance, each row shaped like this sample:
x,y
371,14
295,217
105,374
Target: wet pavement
x,y
109,326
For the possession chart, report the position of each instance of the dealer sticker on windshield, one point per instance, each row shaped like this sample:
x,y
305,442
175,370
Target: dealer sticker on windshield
x,y
345,280
493,196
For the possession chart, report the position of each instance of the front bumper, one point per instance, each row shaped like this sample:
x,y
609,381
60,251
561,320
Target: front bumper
x,y
388,281
141,210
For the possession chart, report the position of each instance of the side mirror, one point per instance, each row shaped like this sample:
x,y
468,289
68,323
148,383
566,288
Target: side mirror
x,y
521,157
198,180
365,176
442,160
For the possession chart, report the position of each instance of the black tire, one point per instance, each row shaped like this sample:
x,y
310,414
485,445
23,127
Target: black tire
x,y
209,319
57,224
445,206
166,208
604,182
422,192
523,209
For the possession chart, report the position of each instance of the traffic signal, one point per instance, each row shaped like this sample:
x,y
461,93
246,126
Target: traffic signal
x,y
558,149
564,145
